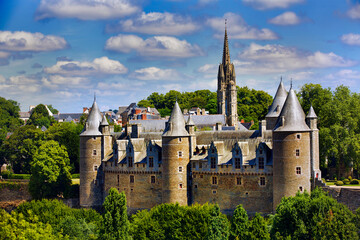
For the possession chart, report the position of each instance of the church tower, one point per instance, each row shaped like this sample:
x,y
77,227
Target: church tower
x,y
226,92
175,159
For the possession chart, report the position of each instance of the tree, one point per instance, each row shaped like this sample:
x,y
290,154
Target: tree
x,y
315,216
258,228
219,225
21,146
145,103
40,117
67,134
50,171
52,109
239,224
115,220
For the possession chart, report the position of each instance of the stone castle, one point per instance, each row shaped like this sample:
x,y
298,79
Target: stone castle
x,y
229,165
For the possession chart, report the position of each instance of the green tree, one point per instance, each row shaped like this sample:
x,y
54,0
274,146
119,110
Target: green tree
x,y
258,228
52,109
9,117
239,224
40,117
67,134
20,148
115,220
315,216
145,103
50,171
219,225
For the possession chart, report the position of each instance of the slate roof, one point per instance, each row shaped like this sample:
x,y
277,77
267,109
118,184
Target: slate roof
x,y
311,113
293,116
67,115
278,102
176,123
93,122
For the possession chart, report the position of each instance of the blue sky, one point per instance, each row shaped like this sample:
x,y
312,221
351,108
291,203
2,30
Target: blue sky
x,y
60,52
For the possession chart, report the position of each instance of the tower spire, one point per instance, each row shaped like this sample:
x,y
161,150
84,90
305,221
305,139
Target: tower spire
x,y
226,54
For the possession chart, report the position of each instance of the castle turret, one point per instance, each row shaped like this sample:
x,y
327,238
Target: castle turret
x,y
276,106
91,178
227,92
106,141
311,121
175,159
190,128
291,151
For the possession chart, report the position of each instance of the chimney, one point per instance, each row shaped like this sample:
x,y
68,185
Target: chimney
x,y
203,111
218,126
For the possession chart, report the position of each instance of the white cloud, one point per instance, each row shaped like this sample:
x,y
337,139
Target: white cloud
x,y
347,77
2,79
208,68
85,9
260,59
4,54
99,66
26,41
156,23
354,12
286,18
154,73
239,29
22,80
270,4
157,46
351,39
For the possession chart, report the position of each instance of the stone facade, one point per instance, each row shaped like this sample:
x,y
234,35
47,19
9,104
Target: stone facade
x,y
255,168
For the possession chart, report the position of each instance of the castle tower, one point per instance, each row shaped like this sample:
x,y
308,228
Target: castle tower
x,y
276,106
190,128
291,151
226,92
106,141
175,159
311,121
91,177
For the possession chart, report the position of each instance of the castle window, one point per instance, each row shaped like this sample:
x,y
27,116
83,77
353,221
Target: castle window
x,y
180,139
262,181
260,151
152,179
297,152
129,150
201,176
237,163
237,151
195,186
151,162
213,150
214,191
132,178
194,165
213,162
180,154
261,163
94,138
301,188
150,149
130,161
298,170
95,168
118,179
238,180
94,152
214,180
200,164
105,164
110,164
180,169
180,185
298,136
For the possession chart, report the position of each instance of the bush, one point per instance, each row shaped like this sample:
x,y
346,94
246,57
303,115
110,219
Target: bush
x,y
75,175
6,174
354,181
323,180
350,178
346,181
339,183
342,178
20,176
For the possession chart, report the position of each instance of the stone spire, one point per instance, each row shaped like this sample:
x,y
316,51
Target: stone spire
x,y
175,127
190,122
292,116
278,101
104,121
93,121
226,53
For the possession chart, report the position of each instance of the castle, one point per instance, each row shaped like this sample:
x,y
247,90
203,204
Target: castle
x,y
229,165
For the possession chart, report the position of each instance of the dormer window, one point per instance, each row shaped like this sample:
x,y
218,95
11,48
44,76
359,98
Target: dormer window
x,y
213,150
260,151
129,150
237,151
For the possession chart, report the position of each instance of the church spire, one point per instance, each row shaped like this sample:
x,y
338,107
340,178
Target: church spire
x,y
226,54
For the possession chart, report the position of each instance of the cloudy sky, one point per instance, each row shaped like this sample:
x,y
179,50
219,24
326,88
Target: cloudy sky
x,y
61,52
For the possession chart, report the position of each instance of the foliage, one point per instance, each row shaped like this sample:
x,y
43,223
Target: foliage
x,y
67,134
339,183
338,122
315,216
9,175
145,103
239,223
50,171
354,181
40,117
9,118
52,109
19,149
75,223
14,226
117,128
115,220
172,221
258,228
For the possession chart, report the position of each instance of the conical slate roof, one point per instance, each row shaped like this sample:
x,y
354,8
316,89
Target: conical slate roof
x,y
104,121
226,54
311,113
278,102
176,124
292,117
190,122
93,121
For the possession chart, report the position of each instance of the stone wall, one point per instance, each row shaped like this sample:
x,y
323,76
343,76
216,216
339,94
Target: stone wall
x,y
347,196
11,197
